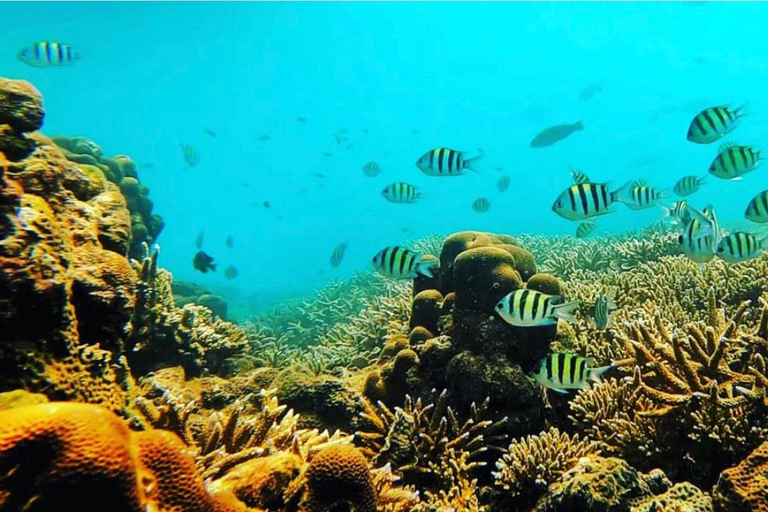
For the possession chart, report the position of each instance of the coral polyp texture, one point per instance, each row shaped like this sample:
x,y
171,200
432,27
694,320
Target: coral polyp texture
x,y
122,390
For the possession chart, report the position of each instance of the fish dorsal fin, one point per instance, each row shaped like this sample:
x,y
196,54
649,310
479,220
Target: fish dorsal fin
x,y
726,145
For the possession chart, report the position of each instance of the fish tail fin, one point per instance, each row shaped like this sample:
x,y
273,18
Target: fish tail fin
x,y
763,243
741,111
701,179
667,212
566,310
620,195
579,125
707,225
471,163
213,266
425,268
595,374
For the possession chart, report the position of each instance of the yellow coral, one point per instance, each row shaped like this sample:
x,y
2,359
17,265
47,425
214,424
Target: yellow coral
x,y
337,475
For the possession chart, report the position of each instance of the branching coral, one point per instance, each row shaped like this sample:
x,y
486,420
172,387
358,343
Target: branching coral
x,y
421,440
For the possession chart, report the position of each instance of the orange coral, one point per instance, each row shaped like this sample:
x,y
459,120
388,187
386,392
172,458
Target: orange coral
x,y
73,456
339,474
745,487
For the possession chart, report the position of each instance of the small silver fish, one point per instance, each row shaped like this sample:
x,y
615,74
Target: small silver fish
x,y
604,308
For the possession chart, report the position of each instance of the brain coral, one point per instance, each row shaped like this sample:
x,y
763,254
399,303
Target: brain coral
x,y
339,474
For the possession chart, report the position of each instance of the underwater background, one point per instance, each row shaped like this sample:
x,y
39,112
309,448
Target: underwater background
x,y
391,257
415,76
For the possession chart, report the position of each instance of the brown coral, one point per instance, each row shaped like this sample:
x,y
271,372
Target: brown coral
x,y
745,487
337,475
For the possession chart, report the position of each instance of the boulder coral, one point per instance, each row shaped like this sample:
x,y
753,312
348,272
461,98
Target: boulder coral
x,y
339,475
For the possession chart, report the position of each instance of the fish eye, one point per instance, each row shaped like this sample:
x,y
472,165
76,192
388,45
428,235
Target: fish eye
x,y
721,249
680,239
499,306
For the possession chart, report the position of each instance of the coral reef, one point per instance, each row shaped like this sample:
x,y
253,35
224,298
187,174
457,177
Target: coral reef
x,y
744,487
190,293
120,170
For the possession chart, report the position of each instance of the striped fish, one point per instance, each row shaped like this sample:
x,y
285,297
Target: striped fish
x,y
190,154
757,209
713,123
732,162
401,192
586,200
641,197
604,307
700,236
678,212
371,169
503,183
47,54
560,372
481,204
445,162
741,246
529,308
585,229
338,254
579,177
687,185
401,263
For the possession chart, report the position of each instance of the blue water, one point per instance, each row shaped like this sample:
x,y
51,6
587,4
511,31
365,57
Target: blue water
x,y
464,75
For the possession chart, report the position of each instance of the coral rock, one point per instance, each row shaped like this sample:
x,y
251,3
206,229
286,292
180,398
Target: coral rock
x,y
483,276
452,247
524,261
682,496
426,310
419,335
545,283
21,105
339,475
114,222
744,487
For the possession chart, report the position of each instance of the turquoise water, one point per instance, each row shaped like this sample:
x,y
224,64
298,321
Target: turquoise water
x,y
466,76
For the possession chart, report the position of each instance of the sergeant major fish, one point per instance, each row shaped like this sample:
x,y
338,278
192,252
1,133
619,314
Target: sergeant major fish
x,y
481,204
714,123
687,185
47,54
401,192
700,236
741,246
586,200
678,212
503,183
401,263
733,162
757,209
604,307
371,169
446,162
640,197
530,308
585,229
338,254
561,372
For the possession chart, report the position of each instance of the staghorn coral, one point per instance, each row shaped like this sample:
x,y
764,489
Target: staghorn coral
x,y
535,462
418,440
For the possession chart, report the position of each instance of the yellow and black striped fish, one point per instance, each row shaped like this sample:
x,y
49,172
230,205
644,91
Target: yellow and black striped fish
x,y
338,254
530,308
503,183
560,372
401,192
641,197
757,209
47,54
586,200
481,204
732,162
604,307
579,177
678,212
190,154
446,162
371,169
741,246
401,263
585,229
713,123
687,185
699,238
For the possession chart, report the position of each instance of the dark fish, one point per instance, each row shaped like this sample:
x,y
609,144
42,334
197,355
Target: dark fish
x,y
415,132
371,169
210,133
230,242
338,139
302,192
503,183
264,137
365,130
148,165
555,134
245,184
327,153
590,91
230,272
498,168
301,119
350,146
47,54
266,204
203,262
318,175
190,154
199,240
338,254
